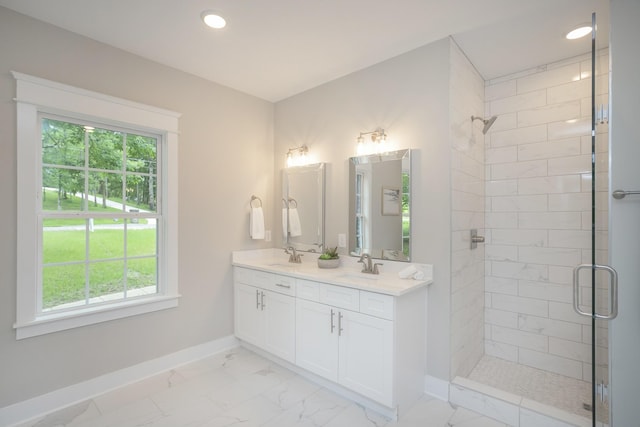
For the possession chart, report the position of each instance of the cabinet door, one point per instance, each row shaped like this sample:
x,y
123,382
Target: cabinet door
x,y
248,314
316,339
280,325
366,356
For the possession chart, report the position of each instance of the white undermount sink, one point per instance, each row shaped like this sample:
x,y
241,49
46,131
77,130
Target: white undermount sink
x,y
283,265
358,276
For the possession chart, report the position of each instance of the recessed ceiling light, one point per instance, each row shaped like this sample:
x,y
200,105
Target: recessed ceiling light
x,y
213,20
578,32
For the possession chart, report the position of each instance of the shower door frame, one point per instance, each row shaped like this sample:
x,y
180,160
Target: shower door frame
x,y
603,304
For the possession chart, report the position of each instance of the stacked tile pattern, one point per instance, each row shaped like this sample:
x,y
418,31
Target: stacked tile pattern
x,y
467,212
538,214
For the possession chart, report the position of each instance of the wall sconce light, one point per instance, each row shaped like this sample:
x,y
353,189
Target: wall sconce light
x,y
297,156
376,145
377,135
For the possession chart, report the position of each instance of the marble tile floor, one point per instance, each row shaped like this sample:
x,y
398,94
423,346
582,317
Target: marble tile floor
x,y
241,388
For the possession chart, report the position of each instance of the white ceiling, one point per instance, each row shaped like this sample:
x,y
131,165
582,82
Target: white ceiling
x,y
274,49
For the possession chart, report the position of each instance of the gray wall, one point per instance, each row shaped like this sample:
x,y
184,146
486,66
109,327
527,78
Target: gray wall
x,y
222,131
408,96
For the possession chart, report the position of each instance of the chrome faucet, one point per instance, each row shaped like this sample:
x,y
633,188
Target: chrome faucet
x,y
367,265
294,256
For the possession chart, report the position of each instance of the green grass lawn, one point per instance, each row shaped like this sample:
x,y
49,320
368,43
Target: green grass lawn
x,y
66,283
74,203
405,232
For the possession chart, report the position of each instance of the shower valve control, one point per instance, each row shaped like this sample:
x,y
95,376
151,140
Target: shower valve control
x,y
475,239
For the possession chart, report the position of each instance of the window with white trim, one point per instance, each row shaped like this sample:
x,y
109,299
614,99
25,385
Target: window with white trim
x,y
97,236
98,217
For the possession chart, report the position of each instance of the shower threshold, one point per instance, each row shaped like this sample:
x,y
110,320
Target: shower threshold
x,y
522,396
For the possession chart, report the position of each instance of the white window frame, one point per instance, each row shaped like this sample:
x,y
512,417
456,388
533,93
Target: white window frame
x,y
365,205
35,95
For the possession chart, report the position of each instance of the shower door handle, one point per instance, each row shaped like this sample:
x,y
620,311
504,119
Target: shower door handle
x,y
613,291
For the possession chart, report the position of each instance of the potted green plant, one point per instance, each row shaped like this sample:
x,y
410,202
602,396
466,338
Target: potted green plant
x,y
329,258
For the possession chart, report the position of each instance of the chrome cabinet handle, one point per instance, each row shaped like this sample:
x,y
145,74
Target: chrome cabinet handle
x,y
332,325
283,286
613,292
262,301
340,324
257,299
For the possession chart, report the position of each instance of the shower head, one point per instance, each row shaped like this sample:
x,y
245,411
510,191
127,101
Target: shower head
x,y
487,122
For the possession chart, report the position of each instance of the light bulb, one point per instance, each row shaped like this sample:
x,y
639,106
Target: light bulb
x,y
579,32
212,20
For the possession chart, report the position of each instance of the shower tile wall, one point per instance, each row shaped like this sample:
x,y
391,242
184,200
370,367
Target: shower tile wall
x,y
467,198
538,214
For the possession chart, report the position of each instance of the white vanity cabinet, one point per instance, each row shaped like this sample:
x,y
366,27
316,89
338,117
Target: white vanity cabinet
x,y
345,346
317,339
365,356
248,314
265,317
368,338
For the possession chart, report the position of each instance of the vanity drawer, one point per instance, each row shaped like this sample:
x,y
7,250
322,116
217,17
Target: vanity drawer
x,y
306,289
274,282
283,284
340,297
377,305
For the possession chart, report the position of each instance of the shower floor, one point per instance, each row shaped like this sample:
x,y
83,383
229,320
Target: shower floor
x,y
551,389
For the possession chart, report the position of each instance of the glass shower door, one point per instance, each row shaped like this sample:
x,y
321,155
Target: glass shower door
x,y
595,282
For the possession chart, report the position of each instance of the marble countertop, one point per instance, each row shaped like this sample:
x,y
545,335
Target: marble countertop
x,y
348,274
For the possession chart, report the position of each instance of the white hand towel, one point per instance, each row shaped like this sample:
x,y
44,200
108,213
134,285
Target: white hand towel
x,y
256,223
408,272
294,223
285,223
411,272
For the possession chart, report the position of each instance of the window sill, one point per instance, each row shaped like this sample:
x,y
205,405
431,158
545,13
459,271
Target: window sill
x,y
54,322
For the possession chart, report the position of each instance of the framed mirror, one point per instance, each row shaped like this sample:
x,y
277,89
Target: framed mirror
x,y
380,205
303,207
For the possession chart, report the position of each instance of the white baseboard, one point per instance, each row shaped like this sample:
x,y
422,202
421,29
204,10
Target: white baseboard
x,y
76,393
436,387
